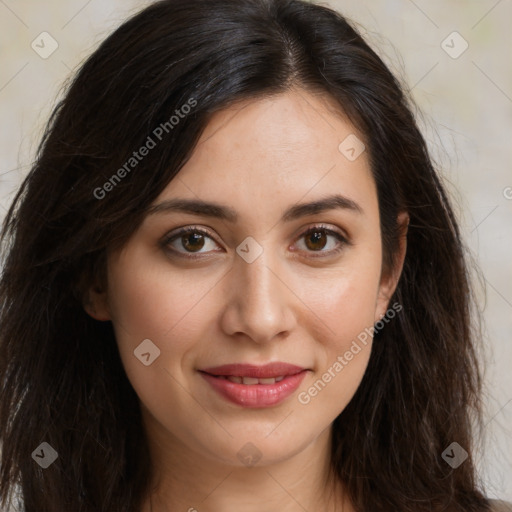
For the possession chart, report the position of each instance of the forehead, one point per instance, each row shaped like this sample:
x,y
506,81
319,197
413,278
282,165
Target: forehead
x,y
264,152
293,124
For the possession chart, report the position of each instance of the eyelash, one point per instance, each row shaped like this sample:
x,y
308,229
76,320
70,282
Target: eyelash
x,y
192,229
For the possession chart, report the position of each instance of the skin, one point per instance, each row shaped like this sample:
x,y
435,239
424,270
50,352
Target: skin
x,y
291,304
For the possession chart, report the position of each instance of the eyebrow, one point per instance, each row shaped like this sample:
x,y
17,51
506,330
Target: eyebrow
x,y
215,210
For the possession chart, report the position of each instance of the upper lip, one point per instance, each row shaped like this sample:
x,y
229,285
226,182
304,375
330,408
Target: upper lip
x,y
266,371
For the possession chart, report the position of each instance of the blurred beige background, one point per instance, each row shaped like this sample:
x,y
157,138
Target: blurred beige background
x,y
462,83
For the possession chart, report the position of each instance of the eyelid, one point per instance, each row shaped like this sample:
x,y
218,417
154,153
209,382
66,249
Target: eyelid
x,y
343,240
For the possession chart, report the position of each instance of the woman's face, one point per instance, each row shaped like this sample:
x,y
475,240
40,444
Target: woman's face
x,y
271,280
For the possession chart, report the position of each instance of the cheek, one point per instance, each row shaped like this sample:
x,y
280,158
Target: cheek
x,y
344,305
151,298
162,305
347,317
344,298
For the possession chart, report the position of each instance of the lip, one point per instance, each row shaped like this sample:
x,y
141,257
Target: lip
x,y
259,372
255,395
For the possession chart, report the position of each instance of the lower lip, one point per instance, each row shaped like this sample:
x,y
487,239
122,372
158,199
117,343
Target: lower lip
x,y
256,395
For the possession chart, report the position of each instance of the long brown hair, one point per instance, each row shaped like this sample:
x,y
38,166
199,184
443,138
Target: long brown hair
x,y
61,378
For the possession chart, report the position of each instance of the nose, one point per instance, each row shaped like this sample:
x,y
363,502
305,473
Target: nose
x,y
259,304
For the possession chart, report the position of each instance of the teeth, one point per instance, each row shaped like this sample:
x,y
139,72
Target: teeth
x,y
250,381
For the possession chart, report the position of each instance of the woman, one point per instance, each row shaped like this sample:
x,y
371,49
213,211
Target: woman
x,y
233,280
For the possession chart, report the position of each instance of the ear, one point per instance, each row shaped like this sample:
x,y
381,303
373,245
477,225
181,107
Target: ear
x,y
96,302
389,279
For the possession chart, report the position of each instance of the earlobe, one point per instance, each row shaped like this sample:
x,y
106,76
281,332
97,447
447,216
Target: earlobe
x,y
96,304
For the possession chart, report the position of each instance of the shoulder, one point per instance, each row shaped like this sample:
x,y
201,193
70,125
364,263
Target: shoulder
x,y
500,506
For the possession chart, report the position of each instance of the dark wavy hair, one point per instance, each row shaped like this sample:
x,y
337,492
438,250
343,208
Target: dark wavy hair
x,y
61,377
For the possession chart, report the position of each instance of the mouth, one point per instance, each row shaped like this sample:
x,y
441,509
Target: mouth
x,y
250,373
250,381
255,386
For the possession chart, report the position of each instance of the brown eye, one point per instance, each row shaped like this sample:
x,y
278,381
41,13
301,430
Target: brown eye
x,y
192,241
189,240
318,238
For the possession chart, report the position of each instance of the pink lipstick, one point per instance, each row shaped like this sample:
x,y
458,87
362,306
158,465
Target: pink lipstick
x,y
255,386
